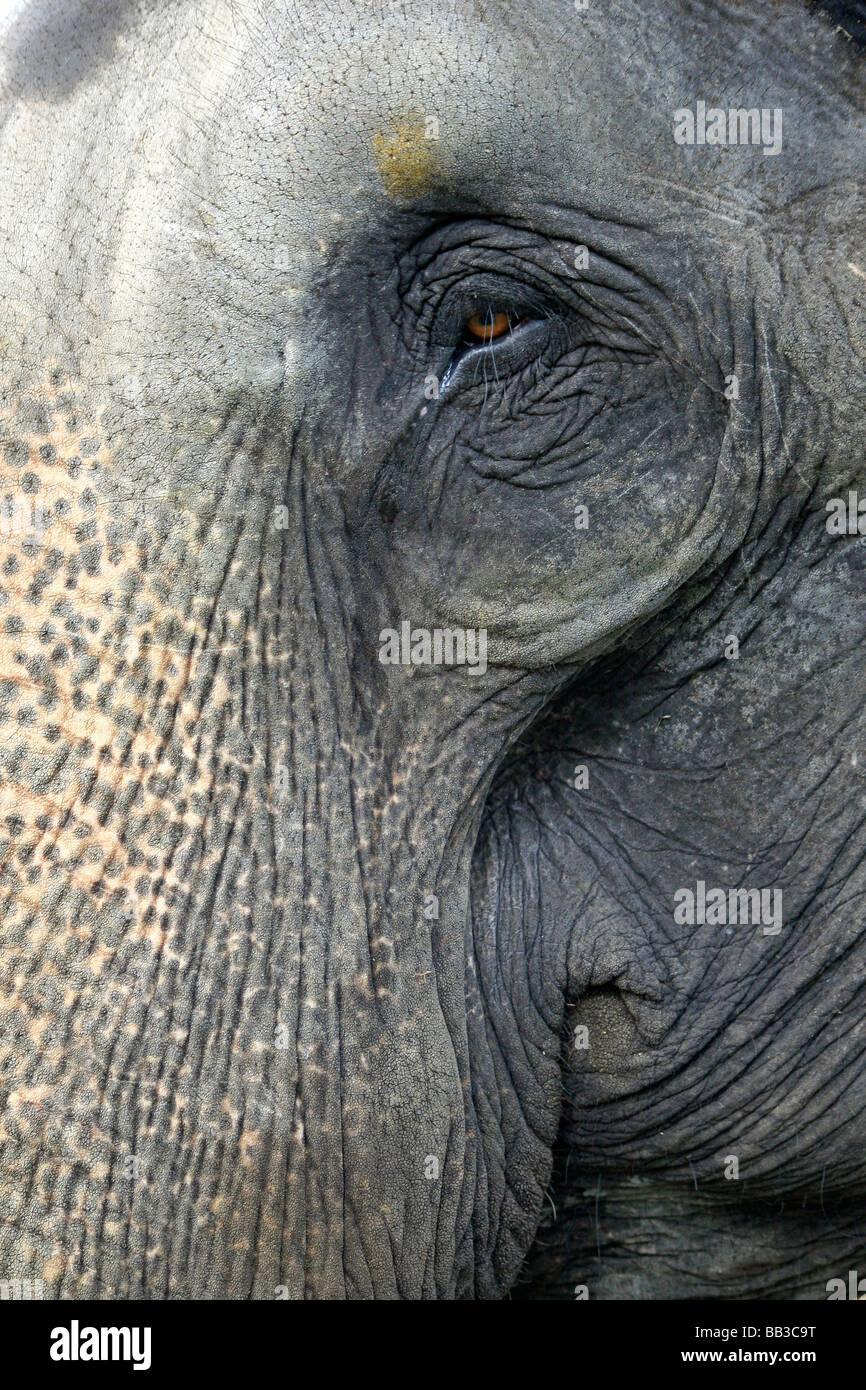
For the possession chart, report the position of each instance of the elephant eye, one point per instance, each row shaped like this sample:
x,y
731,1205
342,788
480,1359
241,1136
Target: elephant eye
x,y
489,326
495,332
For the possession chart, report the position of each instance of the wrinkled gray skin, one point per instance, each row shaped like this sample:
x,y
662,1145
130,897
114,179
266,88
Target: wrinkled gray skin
x,y
231,1041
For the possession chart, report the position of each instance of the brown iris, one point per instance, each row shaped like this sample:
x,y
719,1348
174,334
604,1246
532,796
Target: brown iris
x,y
485,328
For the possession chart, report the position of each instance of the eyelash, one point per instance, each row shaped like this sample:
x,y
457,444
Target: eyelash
x,y
469,351
469,343
526,323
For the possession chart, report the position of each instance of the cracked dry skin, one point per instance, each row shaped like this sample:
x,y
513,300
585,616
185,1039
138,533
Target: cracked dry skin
x,y
294,945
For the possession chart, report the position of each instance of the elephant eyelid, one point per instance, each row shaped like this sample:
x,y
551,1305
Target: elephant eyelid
x,y
470,349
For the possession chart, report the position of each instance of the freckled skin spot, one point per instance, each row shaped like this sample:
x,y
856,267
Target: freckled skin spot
x,y
406,159
108,766
82,682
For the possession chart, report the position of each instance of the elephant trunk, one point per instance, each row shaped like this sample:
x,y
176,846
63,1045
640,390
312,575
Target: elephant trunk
x,y
239,982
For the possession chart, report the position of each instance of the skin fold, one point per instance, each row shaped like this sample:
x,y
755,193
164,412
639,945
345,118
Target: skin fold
x,y
330,978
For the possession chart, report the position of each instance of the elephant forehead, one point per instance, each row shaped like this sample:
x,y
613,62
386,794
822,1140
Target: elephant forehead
x,y
330,113
398,97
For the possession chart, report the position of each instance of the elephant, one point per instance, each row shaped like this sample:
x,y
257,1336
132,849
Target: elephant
x,y
432,683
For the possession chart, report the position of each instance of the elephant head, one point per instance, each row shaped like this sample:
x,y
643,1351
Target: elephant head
x,y
420,617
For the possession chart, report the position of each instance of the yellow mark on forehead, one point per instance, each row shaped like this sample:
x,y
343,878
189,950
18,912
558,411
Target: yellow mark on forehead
x,y
406,156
